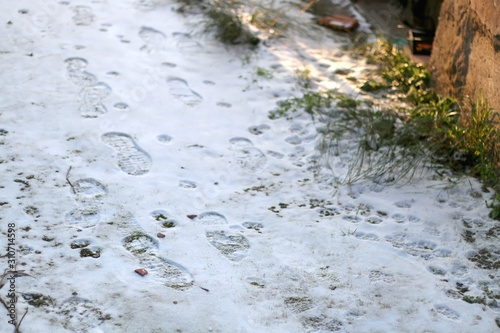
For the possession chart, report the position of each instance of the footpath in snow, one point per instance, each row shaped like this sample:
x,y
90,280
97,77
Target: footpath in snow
x,y
130,141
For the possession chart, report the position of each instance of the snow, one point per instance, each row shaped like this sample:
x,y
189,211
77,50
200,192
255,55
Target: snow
x,y
179,126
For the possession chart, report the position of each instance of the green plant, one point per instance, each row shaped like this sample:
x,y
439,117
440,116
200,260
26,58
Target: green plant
x,y
348,232
304,77
269,19
399,71
227,25
345,101
372,85
311,102
478,141
266,73
494,205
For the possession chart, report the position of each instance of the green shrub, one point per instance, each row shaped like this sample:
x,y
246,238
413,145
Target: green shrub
x,y
226,24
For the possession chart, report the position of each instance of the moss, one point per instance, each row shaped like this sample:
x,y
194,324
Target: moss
x,y
493,232
161,217
137,243
168,224
89,253
31,210
372,85
468,236
486,259
37,300
79,245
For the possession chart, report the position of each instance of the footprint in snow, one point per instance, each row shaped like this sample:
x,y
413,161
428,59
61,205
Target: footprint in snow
x,y
92,110
399,218
275,154
75,64
294,140
185,41
131,158
352,218
404,203
162,216
163,271
247,156
164,138
80,315
180,90
379,276
297,304
233,246
91,100
145,5
366,236
82,78
83,217
83,15
374,220
154,39
121,106
240,142
316,324
257,226
446,312
75,68
223,104
169,64
86,191
187,184
95,94
260,129
211,218
420,248
89,188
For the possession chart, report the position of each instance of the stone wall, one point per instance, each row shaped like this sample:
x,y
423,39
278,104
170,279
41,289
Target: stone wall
x,y
466,51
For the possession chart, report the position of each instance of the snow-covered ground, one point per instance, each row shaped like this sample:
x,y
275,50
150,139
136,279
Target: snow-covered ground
x,y
118,123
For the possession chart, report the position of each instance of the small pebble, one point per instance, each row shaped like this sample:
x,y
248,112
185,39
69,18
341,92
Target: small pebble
x,y
160,235
141,271
192,216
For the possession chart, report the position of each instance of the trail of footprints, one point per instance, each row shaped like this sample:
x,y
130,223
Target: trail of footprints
x,y
362,213
142,246
231,244
89,193
424,247
92,93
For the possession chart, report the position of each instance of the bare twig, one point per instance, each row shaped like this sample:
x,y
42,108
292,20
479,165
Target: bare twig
x,y
204,289
20,321
16,273
69,182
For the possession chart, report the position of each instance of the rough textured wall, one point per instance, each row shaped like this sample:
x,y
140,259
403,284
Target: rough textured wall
x,y
466,52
